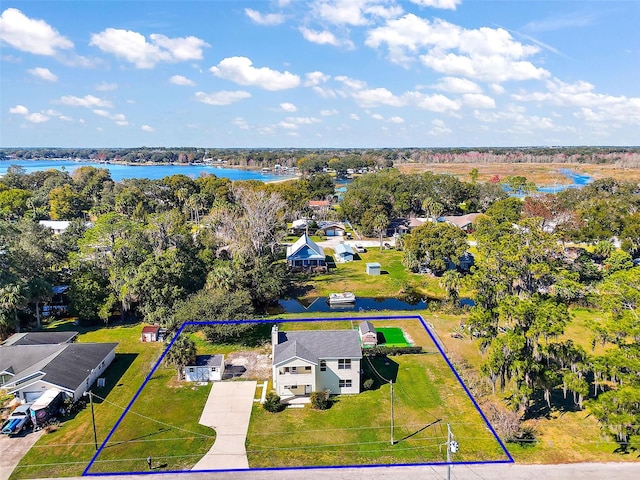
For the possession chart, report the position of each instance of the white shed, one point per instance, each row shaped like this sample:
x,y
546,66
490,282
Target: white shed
x,y
373,268
208,368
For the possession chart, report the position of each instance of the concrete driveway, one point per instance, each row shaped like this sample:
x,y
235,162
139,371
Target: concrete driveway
x,y
13,449
228,411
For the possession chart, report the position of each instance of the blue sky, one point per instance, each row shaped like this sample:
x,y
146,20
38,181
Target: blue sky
x,y
325,73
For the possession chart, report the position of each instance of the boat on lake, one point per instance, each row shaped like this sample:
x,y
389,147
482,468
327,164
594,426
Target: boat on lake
x,y
341,298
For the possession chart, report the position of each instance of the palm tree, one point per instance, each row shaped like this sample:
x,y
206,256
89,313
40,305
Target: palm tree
x,y
12,299
39,291
181,353
451,282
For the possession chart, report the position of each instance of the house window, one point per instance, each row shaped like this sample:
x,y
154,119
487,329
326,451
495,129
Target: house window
x,y
307,369
344,364
323,365
191,369
344,383
213,369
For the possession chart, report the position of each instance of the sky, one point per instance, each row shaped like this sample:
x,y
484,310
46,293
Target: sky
x,y
321,73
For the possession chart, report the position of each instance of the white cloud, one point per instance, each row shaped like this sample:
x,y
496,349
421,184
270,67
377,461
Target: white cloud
x,y
106,87
489,54
457,85
32,117
240,123
377,116
354,116
303,120
19,110
182,80
119,118
315,78
133,47
288,107
444,4
147,128
88,101
322,38
241,71
43,74
435,103
439,128
264,19
328,113
223,97
354,12
396,119
478,100
31,35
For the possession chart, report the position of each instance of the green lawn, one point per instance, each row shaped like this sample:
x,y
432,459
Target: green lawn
x,y
393,337
356,430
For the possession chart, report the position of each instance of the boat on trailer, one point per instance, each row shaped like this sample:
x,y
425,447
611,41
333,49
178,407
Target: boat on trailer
x,y
341,298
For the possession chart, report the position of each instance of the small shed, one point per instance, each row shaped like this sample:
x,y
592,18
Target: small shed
x,y
151,333
368,334
344,253
208,368
373,268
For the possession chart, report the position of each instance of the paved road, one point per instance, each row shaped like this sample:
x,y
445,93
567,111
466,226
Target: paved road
x,y
228,411
579,471
12,449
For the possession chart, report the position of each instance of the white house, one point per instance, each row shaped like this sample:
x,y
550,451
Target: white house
x,y
208,368
318,360
28,368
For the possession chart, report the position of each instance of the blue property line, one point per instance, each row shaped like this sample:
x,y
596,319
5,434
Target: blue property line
x,y
303,320
455,372
126,410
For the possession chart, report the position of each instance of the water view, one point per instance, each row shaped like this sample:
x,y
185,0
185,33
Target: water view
x,y
120,172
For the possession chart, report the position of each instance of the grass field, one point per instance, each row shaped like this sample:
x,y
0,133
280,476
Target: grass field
x,y
393,337
356,430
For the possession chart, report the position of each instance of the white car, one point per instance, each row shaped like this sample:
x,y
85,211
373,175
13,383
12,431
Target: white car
x,y
360,248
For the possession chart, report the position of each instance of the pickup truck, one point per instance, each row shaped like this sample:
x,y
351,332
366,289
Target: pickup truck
x,y
17,421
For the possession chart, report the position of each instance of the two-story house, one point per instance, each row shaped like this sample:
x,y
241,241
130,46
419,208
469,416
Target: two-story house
x,y
315,360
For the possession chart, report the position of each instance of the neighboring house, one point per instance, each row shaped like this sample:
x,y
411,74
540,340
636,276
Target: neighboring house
x,y
305,254
465,262
464,222
153,333
319,205
300,226
208,368
59,302
344,253
29,365
58,226
317,360
332,229
368,334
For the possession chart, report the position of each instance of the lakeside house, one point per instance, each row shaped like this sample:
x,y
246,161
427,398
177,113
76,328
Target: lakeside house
x,y
306,255
344,253
315,360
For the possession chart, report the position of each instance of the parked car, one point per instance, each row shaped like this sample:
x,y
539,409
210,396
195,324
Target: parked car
x,y
360,248
17,421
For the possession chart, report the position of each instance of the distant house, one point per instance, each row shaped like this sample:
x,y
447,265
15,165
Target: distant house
x,y
344,253
305,255
319,205
317,360
332,229
368,334
35,362
153,333
58,226
300,226
464,222
208,368
465,262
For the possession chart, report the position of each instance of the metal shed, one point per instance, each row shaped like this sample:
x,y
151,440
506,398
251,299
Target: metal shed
x,y
373,268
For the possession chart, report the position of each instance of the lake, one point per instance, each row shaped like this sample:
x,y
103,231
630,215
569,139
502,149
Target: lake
x,y
153,172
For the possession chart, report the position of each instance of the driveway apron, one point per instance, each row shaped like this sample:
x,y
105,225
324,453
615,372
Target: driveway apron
x,y
227,411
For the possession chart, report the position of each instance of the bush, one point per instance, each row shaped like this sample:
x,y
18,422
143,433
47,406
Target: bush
x,y
367,384
390,351
272,403
320,400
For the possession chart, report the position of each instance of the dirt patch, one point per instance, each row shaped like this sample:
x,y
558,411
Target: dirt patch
x,y
256,364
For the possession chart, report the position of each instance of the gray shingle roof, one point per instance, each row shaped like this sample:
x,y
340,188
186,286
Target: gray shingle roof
x,y
39,338
366,327
313,345
209,360
17,358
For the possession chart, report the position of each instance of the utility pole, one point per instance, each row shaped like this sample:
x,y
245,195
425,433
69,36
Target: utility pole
x,y
391,383
452,447
93,419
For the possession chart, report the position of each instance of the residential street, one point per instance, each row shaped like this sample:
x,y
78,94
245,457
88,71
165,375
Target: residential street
x,y
580,471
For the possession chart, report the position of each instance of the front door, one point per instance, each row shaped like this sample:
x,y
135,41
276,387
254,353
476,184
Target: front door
x,y
307,389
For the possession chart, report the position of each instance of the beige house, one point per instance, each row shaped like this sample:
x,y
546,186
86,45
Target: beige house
x,y
318,360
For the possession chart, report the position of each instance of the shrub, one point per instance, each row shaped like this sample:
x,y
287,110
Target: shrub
x,y
272,403
367,384
380,351
320,400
